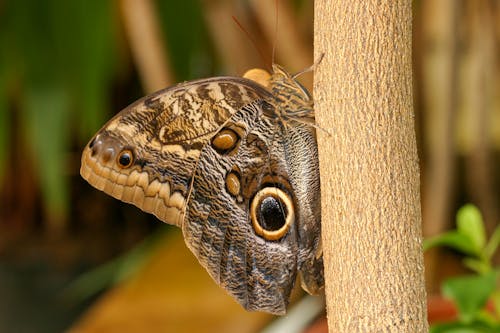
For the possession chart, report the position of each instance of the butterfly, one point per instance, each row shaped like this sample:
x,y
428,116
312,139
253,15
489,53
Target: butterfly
x,y
234,164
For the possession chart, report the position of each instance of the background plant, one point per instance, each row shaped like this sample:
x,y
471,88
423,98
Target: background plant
x,y
471,293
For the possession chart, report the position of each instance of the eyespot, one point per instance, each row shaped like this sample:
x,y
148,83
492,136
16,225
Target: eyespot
x,y
125,158
272,213
225,140
233,184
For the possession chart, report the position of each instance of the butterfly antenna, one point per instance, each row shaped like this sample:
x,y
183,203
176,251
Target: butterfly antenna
x,y
310,68
251,38
312,124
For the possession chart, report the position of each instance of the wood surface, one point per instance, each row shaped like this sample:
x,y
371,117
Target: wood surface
x,y
369,167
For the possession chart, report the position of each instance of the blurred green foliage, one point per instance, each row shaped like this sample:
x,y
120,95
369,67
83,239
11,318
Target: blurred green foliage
x,y
471,293
4,116
60,60
187,39
56,63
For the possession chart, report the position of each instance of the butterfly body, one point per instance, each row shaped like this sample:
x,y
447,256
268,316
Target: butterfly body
x,y
234,164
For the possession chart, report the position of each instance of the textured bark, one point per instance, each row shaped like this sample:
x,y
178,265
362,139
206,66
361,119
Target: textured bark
x,y
369,167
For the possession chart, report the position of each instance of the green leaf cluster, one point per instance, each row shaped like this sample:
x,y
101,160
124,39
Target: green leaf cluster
x,y
471,293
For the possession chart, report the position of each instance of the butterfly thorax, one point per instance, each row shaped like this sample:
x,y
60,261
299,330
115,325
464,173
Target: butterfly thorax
x,y
293,100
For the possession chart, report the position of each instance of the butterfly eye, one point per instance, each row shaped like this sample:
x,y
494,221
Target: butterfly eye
x,y
272,213
125,158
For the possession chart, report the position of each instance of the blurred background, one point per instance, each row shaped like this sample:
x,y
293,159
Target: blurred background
x,y
74,259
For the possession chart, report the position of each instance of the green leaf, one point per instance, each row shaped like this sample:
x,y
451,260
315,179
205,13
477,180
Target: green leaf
x,y
4,121
453,239
486,317
96,61
495,298
186,37
492,245
470,223
477,265
46,125
459,327
470,293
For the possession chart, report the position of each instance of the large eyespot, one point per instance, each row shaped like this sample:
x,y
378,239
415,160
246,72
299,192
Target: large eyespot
x,y
272,213
125,158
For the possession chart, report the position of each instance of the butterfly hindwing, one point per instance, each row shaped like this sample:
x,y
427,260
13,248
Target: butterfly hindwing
x,y
259,273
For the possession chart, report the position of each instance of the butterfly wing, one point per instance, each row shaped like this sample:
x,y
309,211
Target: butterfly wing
x,y
203,156
219,229
303,165
162,136
251,247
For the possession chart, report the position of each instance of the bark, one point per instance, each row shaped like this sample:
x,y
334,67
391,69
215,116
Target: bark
x,y
369,167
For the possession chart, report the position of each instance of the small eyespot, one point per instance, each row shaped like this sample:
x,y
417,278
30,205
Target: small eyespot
x,y
225,140
233,184
272,213
125,158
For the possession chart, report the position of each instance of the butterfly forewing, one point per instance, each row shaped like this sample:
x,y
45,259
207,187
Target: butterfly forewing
x,y
165,133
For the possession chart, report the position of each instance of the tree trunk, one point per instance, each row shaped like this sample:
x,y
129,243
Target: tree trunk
x,y
369,167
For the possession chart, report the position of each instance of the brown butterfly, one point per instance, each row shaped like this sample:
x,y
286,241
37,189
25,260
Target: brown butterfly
x,y
234,164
